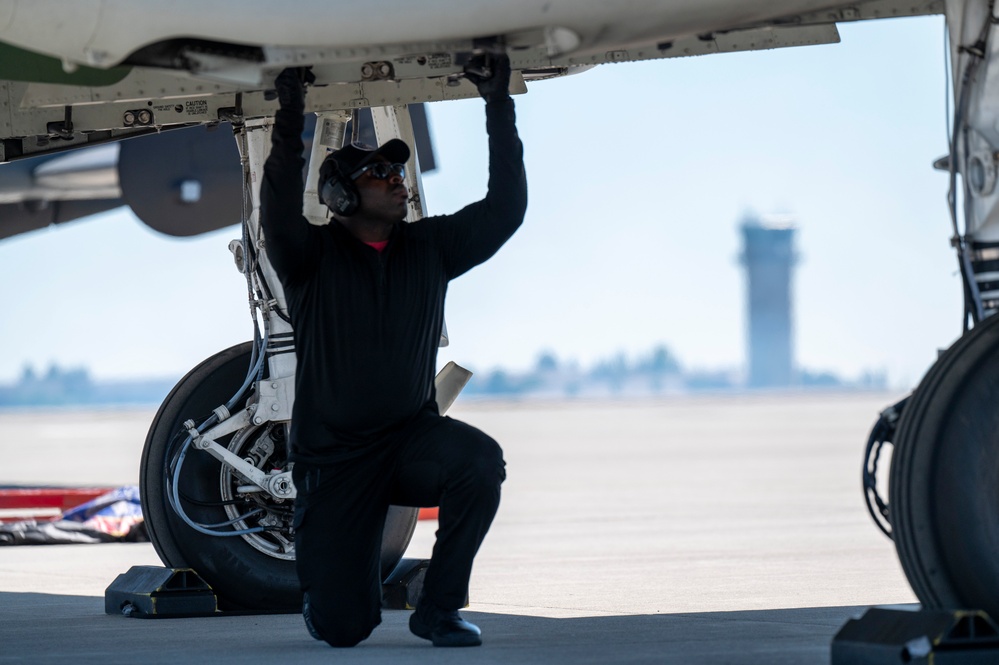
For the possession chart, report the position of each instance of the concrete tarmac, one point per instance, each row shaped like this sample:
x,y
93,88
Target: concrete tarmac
x,y
726,529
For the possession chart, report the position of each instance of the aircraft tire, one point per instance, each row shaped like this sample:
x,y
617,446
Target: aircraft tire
x,y
243,576
944,479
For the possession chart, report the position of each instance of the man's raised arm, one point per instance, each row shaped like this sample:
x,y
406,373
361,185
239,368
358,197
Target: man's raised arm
x,y
286,230
477,231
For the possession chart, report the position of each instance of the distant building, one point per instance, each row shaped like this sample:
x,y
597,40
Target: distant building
x,y
769,256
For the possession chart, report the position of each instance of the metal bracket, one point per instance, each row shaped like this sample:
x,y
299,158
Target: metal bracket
x,y
278,485
275,397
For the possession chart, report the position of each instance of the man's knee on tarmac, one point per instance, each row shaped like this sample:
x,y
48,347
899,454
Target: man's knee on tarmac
x,y
338,628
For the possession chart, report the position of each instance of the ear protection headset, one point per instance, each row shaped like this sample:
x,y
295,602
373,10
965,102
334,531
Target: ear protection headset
x,y
336,190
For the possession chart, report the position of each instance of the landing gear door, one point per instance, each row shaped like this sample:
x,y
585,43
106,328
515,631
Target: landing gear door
x,y
394,122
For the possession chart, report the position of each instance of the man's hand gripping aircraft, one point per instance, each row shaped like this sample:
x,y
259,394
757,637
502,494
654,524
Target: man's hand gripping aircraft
x,y
215,486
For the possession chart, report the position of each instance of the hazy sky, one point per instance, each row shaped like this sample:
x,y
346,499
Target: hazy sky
x,y
639,176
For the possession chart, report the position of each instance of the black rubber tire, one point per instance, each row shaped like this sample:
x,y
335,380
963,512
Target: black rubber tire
x,y
944,482
242,576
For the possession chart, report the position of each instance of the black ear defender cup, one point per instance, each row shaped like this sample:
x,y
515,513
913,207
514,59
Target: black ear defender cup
x,y
337,191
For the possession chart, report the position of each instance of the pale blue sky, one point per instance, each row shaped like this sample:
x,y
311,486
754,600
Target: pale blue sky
x,y
639,176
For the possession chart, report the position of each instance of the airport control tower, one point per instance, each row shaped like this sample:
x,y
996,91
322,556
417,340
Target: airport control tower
x,y
769,256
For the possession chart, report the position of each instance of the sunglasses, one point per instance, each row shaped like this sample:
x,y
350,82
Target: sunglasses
x,y
381,171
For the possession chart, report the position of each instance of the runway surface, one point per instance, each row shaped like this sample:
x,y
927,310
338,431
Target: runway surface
x,y
726,529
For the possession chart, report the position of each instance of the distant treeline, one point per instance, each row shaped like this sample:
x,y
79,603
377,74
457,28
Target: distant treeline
x,y
75,387
657,372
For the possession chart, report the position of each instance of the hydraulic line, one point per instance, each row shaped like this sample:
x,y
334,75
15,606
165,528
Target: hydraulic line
x,y
197,502
174,495
972,299
973,307
205,529
255,511
252,264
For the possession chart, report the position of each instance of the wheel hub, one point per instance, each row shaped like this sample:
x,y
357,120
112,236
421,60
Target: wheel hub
x,y
265,447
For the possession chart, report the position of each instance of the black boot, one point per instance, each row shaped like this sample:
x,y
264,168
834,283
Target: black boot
x,y
443,628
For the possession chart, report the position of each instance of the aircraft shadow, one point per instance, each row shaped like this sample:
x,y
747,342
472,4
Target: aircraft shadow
x,y
37,627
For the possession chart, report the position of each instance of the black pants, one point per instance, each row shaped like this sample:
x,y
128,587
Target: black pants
x,y
340,513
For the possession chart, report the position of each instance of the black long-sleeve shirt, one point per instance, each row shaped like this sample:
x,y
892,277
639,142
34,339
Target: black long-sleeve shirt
x,y
367,323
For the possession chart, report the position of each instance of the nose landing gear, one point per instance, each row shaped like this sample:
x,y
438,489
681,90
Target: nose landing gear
x,y
255,570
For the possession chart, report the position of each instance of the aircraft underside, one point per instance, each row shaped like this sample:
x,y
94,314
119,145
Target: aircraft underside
x,y
216,486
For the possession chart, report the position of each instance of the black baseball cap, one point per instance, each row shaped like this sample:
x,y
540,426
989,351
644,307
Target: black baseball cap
x,y
353,156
